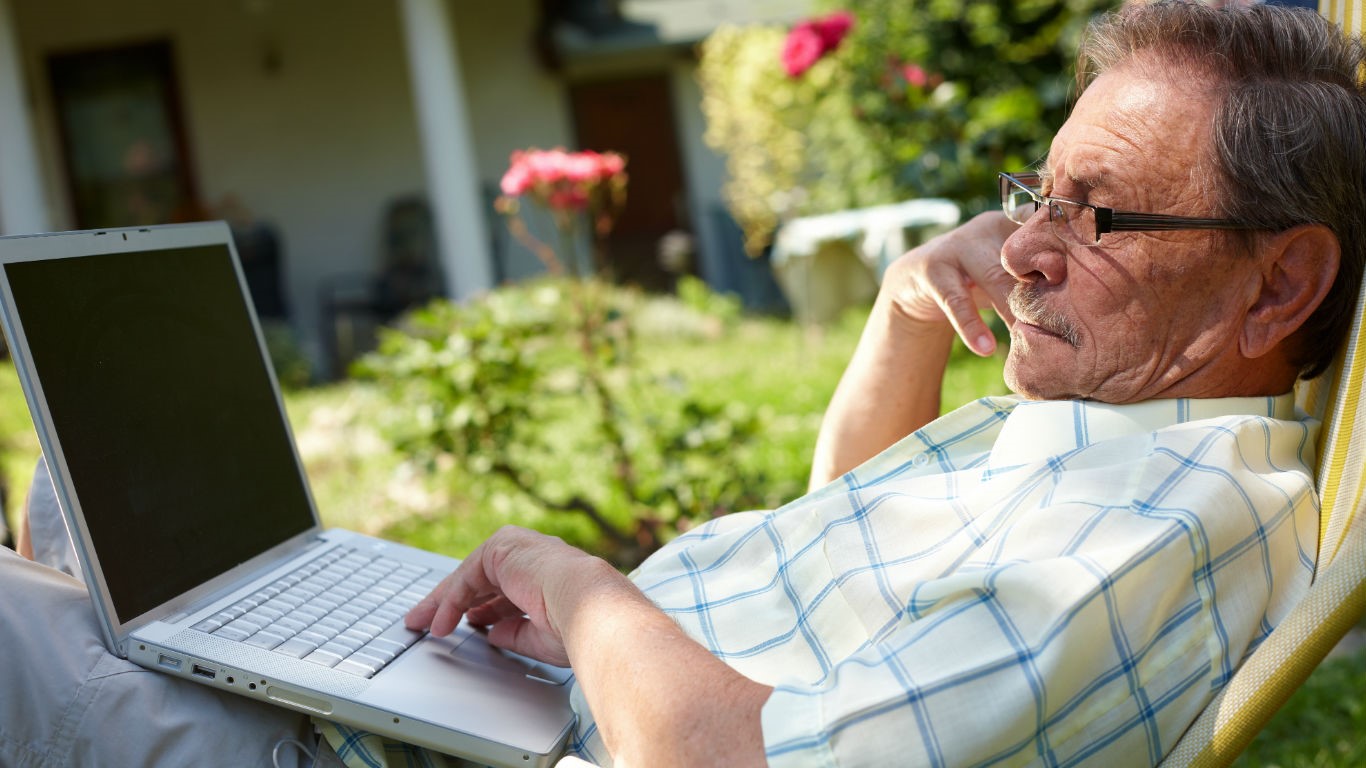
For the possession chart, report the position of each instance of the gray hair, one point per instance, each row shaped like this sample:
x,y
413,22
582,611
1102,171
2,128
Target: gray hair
x,y
1289,134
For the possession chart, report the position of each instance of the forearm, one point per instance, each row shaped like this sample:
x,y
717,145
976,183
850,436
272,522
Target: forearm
x,y
658,697
890,389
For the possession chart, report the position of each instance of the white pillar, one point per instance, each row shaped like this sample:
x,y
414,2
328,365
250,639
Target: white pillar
x,y
22,208
448,147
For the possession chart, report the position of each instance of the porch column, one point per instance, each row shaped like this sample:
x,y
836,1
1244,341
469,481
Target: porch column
x,y
448,147
22,208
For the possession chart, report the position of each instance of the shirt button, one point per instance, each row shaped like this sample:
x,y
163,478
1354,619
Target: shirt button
x,y
920,460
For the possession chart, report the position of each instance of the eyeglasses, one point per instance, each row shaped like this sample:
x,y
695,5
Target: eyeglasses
x,y
1082,223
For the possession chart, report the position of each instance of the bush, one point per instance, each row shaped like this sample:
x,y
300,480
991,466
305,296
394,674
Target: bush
x,y
535,395
922,98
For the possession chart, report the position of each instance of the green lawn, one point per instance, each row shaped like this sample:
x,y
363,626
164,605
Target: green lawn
x,y
360,482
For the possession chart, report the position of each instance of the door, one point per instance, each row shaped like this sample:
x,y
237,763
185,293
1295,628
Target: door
x,y
635,117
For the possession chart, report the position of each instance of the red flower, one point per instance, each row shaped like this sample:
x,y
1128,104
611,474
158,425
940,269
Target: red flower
x,y
562,180
915,75
802,49
833,28
810,40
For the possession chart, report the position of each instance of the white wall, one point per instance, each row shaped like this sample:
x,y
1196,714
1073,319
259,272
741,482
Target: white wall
x,y
704,169
319,140
317,146
513,102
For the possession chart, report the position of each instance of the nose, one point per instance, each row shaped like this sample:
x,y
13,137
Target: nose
x,y
1034,254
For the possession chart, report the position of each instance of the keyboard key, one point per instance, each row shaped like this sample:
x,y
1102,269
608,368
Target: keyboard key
x,y
340,650
331,625
397,633
384,650
264,639
358,667
293,624
232,633
325,658
208,625
296,647
313,636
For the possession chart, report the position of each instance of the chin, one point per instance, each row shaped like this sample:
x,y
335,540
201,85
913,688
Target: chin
x,y
1033,388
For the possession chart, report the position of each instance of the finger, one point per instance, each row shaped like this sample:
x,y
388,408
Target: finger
x,y
995,285
419,617
446,618
968,324
492,612
520,635
953,291
440,611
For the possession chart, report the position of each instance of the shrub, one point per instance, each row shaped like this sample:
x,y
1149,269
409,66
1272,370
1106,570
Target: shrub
x,y
921,98
535,394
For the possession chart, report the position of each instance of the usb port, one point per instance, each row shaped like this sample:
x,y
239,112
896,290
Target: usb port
x,y
204,672
169,662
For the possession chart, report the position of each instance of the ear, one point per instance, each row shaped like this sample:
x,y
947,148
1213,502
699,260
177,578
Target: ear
x,y
1298,268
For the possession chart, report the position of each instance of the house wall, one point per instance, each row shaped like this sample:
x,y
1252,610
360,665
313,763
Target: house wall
x,y
300,109
513,104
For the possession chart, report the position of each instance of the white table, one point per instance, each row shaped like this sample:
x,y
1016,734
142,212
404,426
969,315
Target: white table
x,y
827,263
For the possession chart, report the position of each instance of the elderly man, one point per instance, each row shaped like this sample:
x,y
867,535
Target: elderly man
x,y
1065,575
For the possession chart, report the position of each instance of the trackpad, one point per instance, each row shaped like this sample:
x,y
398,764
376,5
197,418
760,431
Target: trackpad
x,y
471,646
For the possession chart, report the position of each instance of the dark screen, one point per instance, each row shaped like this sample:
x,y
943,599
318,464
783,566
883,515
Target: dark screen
x,y
164,408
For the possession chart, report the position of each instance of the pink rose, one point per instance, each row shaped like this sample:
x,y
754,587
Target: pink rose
x,y
581,167
560,180
802,49
611,164
546,166
915,75
811,40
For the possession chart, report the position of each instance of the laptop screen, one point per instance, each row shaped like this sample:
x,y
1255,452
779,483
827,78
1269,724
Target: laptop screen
x,y
166,414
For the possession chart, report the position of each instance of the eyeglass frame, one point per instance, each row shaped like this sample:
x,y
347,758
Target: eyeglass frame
x,y
1107,219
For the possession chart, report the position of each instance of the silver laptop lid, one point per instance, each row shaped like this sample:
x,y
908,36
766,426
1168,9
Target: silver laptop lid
x,y
157,409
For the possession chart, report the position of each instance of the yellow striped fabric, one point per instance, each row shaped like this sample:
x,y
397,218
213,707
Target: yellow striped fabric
x,y
1349,14
1337,600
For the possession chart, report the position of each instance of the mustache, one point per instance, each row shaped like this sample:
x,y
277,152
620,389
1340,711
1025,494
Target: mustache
x,y
1027,303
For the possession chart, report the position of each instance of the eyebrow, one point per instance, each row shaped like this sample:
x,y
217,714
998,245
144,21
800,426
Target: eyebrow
x,y
1046,179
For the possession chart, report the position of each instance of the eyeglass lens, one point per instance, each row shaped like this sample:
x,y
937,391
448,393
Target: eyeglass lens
x,y
1072,222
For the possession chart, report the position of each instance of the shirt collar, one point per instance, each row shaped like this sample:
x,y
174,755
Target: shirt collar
x,y
1039,428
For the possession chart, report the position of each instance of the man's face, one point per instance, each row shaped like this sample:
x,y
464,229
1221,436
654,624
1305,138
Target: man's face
x,y
1143,314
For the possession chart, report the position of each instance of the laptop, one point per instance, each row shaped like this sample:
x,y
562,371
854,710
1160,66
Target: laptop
x,y
165,433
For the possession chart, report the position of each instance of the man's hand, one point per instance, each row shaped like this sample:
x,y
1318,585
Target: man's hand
x,y
954,276
519,584
891,386
651,689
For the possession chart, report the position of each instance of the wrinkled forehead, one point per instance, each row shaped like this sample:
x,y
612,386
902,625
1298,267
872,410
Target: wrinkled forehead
x,y
1135,138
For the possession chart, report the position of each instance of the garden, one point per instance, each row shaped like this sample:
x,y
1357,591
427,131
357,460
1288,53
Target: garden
x,y
617,419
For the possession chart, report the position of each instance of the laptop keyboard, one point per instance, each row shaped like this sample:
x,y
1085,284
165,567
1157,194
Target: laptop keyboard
x,y
342,610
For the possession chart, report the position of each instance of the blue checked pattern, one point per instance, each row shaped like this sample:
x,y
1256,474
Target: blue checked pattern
x,y
1018,583
363,749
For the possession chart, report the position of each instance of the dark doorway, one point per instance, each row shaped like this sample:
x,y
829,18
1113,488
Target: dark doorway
x,y
635,117
123,139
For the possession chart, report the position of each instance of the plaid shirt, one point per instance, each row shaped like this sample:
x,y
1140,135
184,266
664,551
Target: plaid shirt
x,y
1018,582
